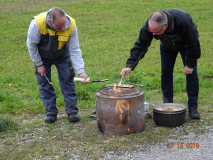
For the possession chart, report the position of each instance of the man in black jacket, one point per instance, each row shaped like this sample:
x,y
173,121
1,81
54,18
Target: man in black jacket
x,y
177,32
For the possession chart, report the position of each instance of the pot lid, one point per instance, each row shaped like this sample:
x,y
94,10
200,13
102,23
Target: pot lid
x,y
169,107
119,91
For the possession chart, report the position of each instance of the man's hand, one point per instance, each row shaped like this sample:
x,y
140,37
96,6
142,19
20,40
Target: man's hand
x,y
42,70
85,77
125,71
187,70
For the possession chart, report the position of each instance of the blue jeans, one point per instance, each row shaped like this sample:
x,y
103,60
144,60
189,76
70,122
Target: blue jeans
x,y
168,58
66,74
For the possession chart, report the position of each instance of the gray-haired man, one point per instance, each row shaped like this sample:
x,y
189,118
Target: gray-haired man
x,y
177,32
53,40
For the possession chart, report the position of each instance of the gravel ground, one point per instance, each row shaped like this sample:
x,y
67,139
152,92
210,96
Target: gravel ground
x,y
161,152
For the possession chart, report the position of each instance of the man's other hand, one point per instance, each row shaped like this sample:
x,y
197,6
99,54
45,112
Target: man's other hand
x,y
187,70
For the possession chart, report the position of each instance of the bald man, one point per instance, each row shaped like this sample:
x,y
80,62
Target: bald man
x,y
177,33
53,40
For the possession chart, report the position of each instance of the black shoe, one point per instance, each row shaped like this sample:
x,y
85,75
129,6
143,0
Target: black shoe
x,y
51,118
93,116
194,114
73,117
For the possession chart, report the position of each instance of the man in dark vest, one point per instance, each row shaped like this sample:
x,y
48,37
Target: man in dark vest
x,y
177,32
53,40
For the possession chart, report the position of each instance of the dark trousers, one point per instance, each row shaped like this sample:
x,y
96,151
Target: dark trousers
x,y
66,74
168,58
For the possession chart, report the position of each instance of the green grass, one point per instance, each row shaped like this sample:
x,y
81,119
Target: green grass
x,y
6,123
107,31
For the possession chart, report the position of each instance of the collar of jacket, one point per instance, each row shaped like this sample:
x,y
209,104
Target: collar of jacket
x,y
170,21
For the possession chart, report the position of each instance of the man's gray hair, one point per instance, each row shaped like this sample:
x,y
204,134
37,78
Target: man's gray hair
x,y
159,17
56,12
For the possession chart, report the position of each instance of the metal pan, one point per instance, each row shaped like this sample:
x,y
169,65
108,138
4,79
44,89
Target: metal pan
x,y
125,86
121,86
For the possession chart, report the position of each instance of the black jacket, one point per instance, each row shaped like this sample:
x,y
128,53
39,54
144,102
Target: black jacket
x,y
181,35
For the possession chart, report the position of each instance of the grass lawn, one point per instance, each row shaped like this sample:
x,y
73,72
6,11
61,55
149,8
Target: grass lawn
x,y
107,30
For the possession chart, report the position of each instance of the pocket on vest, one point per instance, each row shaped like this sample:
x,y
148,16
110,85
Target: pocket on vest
x,y
62,40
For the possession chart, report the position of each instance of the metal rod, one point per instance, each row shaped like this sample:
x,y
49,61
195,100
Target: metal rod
x,y
48,80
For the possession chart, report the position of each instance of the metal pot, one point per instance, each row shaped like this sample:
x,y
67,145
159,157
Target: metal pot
x,y
169,114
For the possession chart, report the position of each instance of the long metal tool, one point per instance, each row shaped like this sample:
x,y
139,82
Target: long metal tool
x,y
120,82
48,80
81,79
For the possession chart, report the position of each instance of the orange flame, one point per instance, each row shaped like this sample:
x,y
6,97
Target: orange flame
x,y
121,105
140,124
128,129
116,89
121,118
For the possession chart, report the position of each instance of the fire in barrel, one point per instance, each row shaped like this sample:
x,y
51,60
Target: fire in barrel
x,y
120,110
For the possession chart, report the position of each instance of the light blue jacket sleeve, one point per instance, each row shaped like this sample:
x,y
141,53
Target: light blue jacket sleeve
x,y
75,52
33,40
